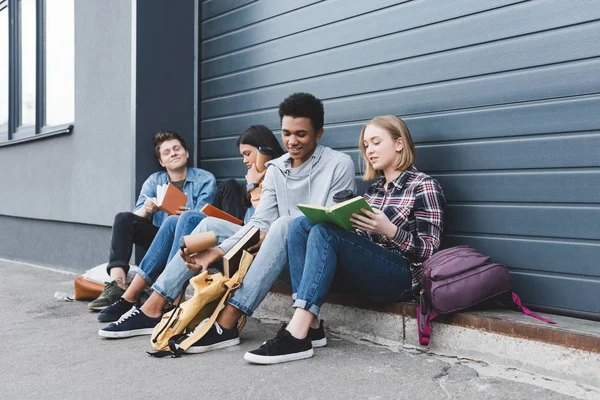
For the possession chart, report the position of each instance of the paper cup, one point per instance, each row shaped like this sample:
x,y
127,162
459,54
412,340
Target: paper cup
x,y
263,155
198,241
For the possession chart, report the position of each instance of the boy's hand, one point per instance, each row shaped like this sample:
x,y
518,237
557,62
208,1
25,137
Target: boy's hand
x,y
201,261
181,210
254,249
375,221
149,206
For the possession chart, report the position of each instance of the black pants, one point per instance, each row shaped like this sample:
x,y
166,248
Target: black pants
x,y
127,230
229,198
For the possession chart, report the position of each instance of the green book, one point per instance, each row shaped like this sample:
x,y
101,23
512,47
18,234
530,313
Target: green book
x,y
338,214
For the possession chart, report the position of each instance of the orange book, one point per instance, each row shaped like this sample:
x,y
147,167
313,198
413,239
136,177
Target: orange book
x,y
169,198
213,211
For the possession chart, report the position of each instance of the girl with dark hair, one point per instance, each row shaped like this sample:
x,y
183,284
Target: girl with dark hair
x,y
241,201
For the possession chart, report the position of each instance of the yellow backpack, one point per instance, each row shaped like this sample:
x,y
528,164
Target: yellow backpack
x,y
210,294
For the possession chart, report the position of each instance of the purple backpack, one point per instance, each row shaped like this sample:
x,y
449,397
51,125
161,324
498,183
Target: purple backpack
x,y
458,278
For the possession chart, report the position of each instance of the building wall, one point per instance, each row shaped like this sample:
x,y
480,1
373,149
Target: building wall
x,y
85,177
501,96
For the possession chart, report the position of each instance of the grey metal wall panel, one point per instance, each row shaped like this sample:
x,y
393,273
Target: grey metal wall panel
x,y
295,36
212,8
536,254
502,98
428,39
237,19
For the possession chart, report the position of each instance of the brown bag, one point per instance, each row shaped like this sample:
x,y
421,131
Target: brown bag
x,y
87,290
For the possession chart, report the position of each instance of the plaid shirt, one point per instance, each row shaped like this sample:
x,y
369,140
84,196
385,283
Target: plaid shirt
x,y
414,202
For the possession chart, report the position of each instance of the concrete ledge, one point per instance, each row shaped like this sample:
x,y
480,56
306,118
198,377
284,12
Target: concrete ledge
x,y
568,350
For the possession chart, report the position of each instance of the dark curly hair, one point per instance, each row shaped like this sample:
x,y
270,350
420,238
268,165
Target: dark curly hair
x,y
303,105
163,136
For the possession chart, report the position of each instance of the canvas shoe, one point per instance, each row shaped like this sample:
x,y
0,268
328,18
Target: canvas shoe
x,y
111,293
133,323
282,348
113,312
317,336
216,338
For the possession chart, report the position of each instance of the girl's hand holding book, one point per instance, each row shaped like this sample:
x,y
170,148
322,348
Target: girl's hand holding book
x,y
374,221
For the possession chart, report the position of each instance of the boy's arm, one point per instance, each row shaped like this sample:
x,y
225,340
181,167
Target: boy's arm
x,y
265,213
148,191
207,191
344,178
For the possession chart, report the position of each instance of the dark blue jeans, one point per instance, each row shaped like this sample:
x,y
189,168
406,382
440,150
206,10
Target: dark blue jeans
x,y
317,252
166,243
127,230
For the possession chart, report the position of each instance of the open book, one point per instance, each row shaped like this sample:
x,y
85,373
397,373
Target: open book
x,y
213,211
169,198
338,214
231,259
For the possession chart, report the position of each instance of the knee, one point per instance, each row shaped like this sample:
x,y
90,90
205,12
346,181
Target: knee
x,y
281,225
189,215
299,225
170,222
204,226
319,231
123,217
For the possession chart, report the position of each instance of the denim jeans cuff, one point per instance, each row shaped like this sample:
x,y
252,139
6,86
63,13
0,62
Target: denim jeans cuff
x,y
313,309
241,307
294,295
146,277
163,293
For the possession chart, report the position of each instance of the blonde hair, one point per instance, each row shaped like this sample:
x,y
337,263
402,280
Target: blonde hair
x,y
397,129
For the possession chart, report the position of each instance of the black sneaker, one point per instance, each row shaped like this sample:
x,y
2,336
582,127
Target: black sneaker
x,y
132,323
317,336
113,312
282,348
216,338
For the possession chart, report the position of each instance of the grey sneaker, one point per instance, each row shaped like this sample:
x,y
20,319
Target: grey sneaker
x,y
112,292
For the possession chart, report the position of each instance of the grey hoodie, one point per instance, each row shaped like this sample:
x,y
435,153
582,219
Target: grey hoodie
x,y
315,182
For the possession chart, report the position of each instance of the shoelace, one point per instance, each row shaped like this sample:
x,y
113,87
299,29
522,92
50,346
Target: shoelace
x,y
133,312
217,326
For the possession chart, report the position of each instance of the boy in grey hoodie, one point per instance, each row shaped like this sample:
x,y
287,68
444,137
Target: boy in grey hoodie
x,y
309,174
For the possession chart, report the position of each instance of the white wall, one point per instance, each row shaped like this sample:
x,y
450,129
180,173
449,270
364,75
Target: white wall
x,y
85,177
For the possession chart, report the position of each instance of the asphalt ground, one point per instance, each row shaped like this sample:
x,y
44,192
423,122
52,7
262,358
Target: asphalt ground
x,y
52,351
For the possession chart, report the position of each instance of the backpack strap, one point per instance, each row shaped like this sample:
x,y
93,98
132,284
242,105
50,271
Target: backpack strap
x,y
425,314
233,284
517,300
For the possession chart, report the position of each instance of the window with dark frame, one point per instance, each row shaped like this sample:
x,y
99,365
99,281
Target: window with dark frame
x,y
37,69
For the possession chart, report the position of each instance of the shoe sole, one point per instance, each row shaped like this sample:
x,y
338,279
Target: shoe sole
x,y
216,346
319,342
125,334
94,308
267,360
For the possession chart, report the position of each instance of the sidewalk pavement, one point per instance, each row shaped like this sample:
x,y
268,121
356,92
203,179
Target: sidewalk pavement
x,y
52,351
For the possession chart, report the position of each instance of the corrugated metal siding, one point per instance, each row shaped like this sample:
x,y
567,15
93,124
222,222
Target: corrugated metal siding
x,y
502,98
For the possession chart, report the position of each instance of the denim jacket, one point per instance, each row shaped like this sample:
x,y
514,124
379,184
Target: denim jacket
x,y
199,186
